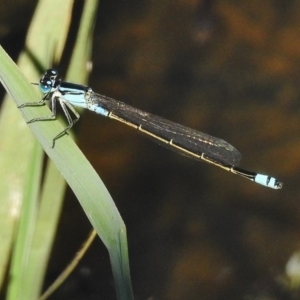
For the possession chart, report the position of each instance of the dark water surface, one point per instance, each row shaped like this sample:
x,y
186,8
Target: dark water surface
x,y
227,68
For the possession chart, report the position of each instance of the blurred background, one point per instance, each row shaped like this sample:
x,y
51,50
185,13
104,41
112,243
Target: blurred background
x,y
230,69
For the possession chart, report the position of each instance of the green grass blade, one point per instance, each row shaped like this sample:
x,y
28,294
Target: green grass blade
x,y
14,172
79,68
45,230
41,35
82,178
26,228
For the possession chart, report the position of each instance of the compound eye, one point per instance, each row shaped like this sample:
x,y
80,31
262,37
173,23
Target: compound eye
x,y
53,73
45,86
